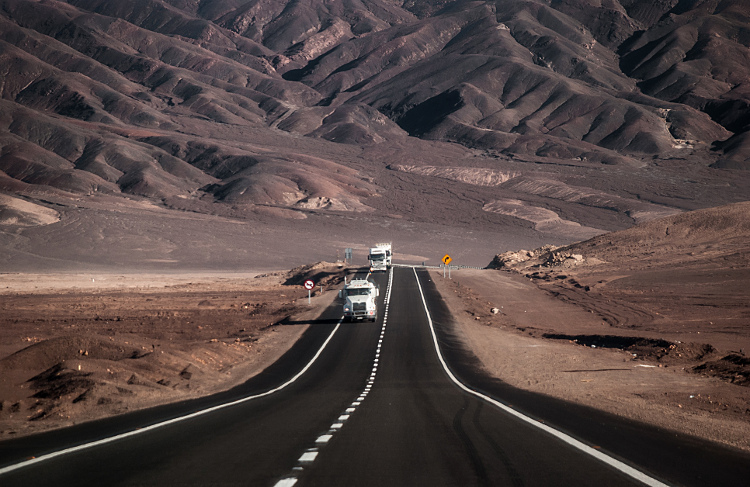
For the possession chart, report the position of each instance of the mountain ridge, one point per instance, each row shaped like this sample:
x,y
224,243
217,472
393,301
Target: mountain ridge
x,y
312,106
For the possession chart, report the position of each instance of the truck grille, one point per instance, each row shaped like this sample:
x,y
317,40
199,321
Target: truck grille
x,y
359,307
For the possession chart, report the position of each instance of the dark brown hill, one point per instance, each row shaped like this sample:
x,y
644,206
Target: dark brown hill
x,y
564,118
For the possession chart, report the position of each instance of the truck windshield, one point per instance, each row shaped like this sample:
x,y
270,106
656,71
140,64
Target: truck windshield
x,y
377,257
358,292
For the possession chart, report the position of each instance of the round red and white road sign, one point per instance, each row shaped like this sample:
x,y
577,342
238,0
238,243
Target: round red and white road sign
x,y
309,284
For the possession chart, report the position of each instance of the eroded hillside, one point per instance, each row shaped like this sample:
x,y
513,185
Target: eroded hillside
x,y
564,118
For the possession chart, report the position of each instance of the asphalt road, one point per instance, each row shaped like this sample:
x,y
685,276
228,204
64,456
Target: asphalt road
x,y
375,407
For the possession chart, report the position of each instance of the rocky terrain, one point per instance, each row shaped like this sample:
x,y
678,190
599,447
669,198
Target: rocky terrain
x,y
649,322
76,348
684,275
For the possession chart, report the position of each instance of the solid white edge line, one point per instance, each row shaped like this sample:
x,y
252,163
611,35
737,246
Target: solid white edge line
x,y
145,429
612,462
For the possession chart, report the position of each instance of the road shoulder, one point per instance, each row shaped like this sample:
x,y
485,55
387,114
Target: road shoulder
x,y
502,317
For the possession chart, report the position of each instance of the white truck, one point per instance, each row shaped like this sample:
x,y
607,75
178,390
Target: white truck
x,y
360,300
380,257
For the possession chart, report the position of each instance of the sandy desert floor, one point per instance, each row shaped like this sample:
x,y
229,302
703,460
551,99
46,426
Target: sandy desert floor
x,y
541,343
79,347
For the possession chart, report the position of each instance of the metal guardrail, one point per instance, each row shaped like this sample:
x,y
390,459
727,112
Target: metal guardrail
x,y
450,266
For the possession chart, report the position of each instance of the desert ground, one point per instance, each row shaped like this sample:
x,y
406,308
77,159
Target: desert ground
x,y
542,344
80,347
649,323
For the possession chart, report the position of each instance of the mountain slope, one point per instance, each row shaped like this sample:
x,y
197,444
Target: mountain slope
x,y
600,114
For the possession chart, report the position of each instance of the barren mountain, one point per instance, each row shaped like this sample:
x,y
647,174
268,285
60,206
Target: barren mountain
x,y
542,120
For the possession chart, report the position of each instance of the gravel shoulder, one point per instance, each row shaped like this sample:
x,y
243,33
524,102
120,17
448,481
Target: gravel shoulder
x,y
536,341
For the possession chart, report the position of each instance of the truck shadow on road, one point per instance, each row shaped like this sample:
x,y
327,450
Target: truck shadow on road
x,y
320,321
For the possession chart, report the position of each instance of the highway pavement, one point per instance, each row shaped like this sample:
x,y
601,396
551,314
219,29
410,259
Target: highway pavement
x,y
371,404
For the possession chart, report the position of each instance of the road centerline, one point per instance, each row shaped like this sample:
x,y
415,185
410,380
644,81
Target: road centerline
x,y
291,479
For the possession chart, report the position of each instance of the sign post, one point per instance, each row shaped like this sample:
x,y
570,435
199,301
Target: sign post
x,y
309,285
446,260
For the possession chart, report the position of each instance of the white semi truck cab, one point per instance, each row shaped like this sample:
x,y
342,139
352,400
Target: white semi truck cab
x,y
380,257
360,300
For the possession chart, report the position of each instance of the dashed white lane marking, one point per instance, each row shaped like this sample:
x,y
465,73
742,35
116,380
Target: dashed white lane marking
x,y
288,482
309,456
616,464
323,439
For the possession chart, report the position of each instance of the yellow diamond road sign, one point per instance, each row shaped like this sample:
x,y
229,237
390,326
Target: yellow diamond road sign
x,y
447,259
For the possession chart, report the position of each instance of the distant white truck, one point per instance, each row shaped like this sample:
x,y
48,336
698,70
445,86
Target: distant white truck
x,y
360,300
380,257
